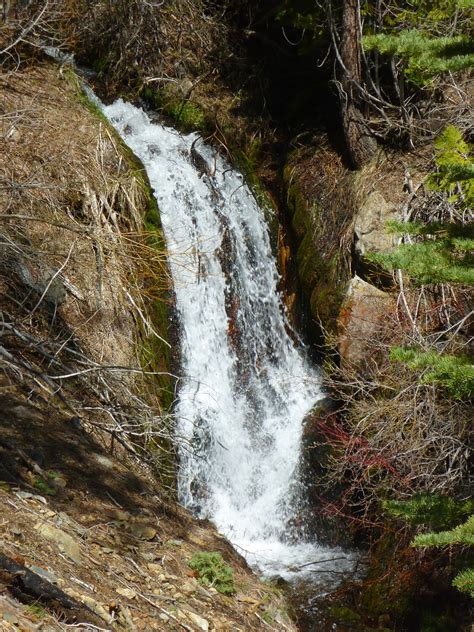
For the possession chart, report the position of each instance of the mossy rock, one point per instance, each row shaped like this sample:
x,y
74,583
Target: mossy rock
x,y
299,210
311,268
344,615
186,114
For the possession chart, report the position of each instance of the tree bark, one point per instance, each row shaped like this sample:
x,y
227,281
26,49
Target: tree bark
x,y
360,144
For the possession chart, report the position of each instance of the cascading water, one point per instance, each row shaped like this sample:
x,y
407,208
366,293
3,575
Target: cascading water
x,y
245,388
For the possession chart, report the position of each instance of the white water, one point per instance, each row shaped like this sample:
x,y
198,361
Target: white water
x,y
245,388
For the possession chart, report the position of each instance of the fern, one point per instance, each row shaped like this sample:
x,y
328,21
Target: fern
x,y
213,571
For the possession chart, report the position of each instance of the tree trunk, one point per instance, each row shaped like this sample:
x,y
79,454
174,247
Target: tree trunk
x,y
359,142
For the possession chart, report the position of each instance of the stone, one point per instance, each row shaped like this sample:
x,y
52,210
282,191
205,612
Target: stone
x,y
142,531
188,587
370,225
126,592
49,577
201,623
363,311
66,543
155,568
96,607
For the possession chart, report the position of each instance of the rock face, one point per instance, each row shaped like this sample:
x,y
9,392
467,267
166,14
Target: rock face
x,y
370,229
363,311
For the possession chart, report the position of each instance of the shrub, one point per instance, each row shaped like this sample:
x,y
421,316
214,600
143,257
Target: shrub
x,y
213,571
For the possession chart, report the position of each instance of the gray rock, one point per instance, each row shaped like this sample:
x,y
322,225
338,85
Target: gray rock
x,y
370,225
66,543
201,623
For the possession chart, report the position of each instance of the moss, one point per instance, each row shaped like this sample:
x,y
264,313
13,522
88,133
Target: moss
x,y
247,162
344,615
432,622
187,115
310,266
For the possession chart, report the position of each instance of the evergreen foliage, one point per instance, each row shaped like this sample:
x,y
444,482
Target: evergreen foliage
x,y
213,571
438,512
438,261
462,534
424,56
455,167
446,256
453,373
464,581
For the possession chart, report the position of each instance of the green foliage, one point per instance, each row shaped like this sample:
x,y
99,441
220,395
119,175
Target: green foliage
x,y
36,610
213,571
307,17
422,55
455,167
188,114
455,231
464,581
427,15
453,373
462,534
438,512
439,261
43,487
447,253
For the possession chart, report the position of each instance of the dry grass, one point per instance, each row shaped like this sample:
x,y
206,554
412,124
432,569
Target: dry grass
x,y
396,436
77,266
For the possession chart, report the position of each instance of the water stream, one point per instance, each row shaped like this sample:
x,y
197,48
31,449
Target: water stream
x,y
245,386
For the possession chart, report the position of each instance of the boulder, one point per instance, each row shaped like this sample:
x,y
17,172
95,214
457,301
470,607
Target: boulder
x,y
370,225
364,310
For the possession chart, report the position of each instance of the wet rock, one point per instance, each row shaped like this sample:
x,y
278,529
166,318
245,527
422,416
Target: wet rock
x,y
49,577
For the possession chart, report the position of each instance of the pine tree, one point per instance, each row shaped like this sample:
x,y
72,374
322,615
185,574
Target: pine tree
x,y
445,252
423,56
440,512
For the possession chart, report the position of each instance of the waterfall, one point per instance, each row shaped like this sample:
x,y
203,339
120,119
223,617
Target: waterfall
x,y
245,387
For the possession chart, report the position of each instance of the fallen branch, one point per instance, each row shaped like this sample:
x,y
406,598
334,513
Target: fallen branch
x,y
28,587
